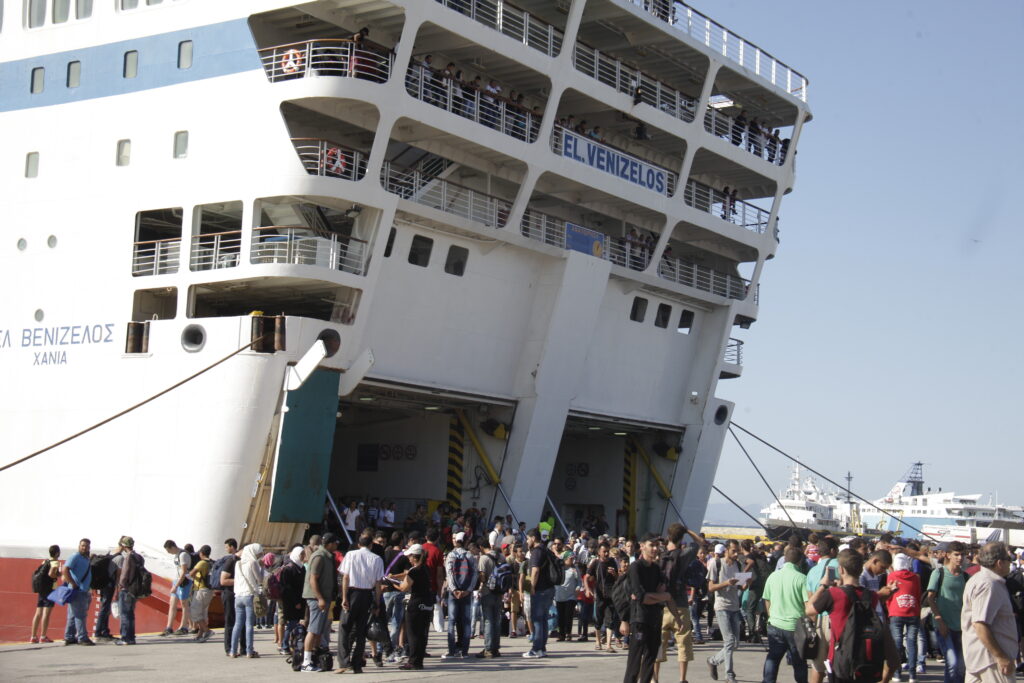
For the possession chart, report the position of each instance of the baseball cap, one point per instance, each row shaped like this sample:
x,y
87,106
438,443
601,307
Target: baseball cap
x,y
414,549
127,541
329,538
719,549
459,537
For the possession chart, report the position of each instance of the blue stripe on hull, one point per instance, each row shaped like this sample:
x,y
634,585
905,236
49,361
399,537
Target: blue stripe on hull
x,y
218,50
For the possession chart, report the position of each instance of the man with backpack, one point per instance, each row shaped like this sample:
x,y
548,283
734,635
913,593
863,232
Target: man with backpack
x,y
828,551
102,582
495,580
223,579
181,589
946,597
645,585
130,566
723,583
753,611
860,649
675,564
462,575
542,591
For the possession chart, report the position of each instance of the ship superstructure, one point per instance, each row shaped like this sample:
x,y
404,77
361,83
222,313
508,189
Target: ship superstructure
x,y
517,299
808,505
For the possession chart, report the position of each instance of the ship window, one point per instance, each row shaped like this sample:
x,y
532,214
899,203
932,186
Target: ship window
x,y
455,264
32,164
185,54
129,4
124,152
61,11
685,322
131,64
74,74
663,315
419,252
38,78
36,13
391,243
83,9
153,2
181,144
639,309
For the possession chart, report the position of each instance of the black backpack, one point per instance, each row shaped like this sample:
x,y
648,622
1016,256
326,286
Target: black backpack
x,y
323,659
622,598
100,566
295,644
761,571
41,581
556,570
859,652
141,585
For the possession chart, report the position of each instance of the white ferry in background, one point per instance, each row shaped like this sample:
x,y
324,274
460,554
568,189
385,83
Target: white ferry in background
x,y
392,284
938,512
809,506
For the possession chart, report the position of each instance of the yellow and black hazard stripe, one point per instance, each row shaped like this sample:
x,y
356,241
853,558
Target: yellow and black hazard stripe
x,y
629,484
456,439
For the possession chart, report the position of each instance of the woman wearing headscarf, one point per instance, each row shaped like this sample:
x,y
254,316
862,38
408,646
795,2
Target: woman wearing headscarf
x,y
293,607
248,583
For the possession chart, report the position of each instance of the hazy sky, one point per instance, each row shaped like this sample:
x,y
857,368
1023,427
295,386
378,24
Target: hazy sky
x,y
889,327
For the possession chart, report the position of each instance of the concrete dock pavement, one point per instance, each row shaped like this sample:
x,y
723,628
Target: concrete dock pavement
x,y
177,658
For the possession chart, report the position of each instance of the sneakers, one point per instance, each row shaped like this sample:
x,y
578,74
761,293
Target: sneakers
x,y
34,639
181,632
452,655
310,667
730,678
896,678
912,679
122,642
920,668
44,639
166,632
486,654
70,642
86,642
713,670
532,654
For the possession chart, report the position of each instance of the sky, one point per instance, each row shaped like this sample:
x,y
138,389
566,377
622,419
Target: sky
x,y
889,328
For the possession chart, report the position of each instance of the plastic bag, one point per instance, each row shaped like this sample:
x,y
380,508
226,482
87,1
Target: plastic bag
x,y
115,609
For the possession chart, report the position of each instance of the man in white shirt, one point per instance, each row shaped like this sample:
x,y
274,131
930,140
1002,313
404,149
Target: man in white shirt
x,y
497,534
361,573
350,516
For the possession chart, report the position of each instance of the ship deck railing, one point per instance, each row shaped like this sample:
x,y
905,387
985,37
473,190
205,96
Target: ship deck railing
x,y
513,22
760,145
325,57
497,113
738,212
216,250
302,246
443,195
625,79
156,257
706,279
557,146
734,351
548,229
326,158
722,41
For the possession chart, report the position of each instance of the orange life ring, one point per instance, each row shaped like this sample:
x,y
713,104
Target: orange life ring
x,y
292,61
336,161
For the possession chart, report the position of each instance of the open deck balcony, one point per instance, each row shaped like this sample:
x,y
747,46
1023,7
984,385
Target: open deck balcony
x,y
339,57
302,246
156,257
331,159
427,189
721,40
718,203
511,21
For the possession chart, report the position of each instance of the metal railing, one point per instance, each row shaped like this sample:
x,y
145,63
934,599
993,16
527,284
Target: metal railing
x,y
543,228
216,250
299,245
634,82
326,158
705,198
726,43
627,254
511,21
703,278
734,351
763,145
156,257
433,87
557,148
445,196
325,57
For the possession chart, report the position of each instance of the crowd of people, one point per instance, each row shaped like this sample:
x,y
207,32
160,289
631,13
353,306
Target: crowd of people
x,y
450,571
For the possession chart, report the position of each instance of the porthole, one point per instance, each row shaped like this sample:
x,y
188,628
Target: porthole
x,y
22,244
39,315
51,241
331,340
721,415
193,338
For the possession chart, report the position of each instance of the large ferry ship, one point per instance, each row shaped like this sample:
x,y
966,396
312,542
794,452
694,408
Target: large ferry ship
x,y
807,506
462,250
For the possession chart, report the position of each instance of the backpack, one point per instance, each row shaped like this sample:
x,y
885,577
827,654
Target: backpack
x,y
859,650
502,578
696,576
275,591
41,581
141,585
99,565
761,571
323,659
556,569
621,597
295,644
462,573
215,571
